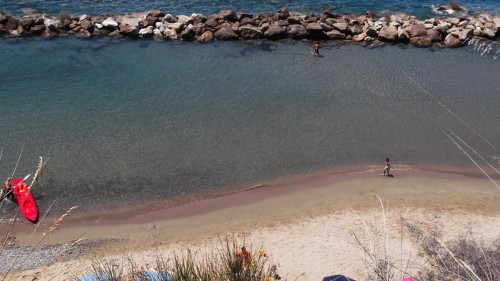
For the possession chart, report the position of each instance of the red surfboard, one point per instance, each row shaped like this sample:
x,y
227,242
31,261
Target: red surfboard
x,y
25,200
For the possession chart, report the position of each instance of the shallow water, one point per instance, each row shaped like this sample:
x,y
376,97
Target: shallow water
x,y
121,122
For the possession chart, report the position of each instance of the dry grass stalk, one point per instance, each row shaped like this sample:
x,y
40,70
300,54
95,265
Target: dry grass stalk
x,y
38,172
58,222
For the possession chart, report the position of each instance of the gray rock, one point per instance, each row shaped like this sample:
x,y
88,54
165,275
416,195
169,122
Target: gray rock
x,y
188,33
326,27
185,19
342,27
275,32
452,41
496,21
335,35
388,33
314,26
297,31
226,33
434,35
250,32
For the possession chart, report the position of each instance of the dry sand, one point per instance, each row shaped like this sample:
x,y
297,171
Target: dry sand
x,y
307,226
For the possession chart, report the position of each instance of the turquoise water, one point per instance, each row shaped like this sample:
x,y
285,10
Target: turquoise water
x,y
122,122
420,8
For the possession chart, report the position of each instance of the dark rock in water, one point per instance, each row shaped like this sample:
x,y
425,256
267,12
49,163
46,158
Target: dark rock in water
x,y
451,7
3,18
418,30
422,41
206,36
226,33
128,30
247,21
228,15
275,32
284,11
297,31
388,33
37,29
452,41
315,31
27,23
250,32
188,34
11,23
372,33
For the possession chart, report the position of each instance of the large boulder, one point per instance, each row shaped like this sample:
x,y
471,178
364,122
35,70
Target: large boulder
x,y
335,35
170,34
228,15
110,24
275,32
37,29
177,26
418,30
128,30
422,41
54,25
207,36
297,31
315,31
452,41
359,37
435,35
388,33
188,33
146,32
341,26
250,32
26,23
226,33
11,23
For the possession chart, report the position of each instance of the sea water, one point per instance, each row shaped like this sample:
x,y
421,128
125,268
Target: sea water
x,y
123,122
420,8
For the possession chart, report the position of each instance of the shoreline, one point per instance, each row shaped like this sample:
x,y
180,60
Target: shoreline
x,y
400,28
304,192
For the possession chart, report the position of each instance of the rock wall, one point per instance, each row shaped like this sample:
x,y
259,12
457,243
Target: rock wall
x,y
232,25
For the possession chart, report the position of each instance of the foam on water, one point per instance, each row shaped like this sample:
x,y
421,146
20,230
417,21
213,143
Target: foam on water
x,y
129,121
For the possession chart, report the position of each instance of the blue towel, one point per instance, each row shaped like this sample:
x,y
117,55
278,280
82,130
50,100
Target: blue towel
x,y
158,276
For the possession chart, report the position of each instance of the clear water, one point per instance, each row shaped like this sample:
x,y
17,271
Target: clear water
x,y
420,8
122,122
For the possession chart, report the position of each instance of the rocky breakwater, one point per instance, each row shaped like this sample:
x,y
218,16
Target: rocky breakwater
x,y
232,25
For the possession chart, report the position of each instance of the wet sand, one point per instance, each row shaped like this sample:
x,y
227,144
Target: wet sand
x,y
292,216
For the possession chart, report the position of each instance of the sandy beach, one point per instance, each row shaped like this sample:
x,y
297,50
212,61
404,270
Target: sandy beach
x,y
307,226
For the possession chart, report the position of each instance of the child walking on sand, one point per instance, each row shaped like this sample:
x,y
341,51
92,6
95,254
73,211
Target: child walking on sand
x,y
387,167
